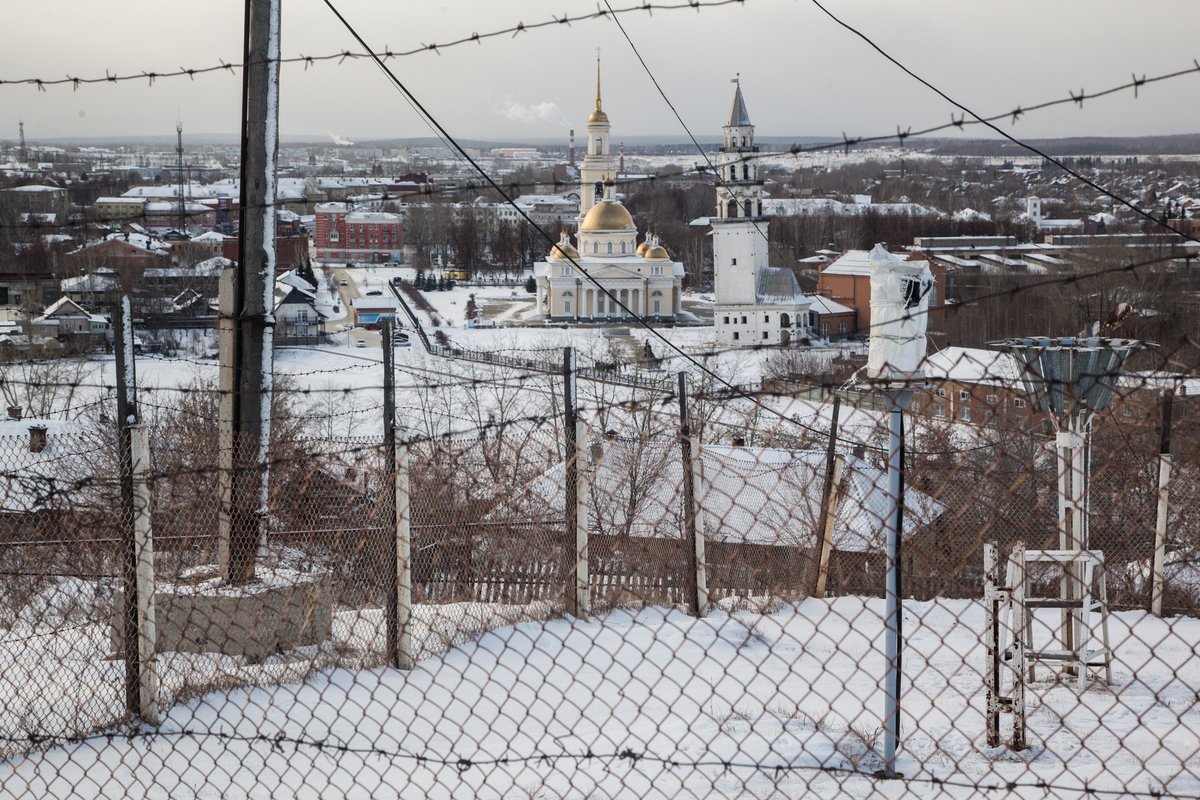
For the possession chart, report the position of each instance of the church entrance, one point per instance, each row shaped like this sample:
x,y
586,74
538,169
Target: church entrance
x,y
785,337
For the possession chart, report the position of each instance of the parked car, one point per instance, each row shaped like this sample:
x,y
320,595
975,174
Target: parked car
x,y
360,342
374,293
401,340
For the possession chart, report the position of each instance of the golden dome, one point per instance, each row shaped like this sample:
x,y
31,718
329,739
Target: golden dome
x,y
642,248
655,252
597,116
608,215
562,251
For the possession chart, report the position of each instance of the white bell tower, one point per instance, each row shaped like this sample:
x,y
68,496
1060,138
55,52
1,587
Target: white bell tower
x,y
597,167
739,229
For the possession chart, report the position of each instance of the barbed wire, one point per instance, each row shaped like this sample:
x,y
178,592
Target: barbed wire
x,y
631,755
1015,114
386,54
701,169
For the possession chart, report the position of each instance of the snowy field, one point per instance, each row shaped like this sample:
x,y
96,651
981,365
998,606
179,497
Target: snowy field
x,y
654,704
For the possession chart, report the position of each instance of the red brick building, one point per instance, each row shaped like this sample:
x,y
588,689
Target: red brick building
x,y
847,281
345,235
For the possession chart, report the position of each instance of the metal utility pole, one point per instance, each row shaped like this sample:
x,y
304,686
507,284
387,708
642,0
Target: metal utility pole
x,y
573,524
127,416
137,632
896,400
251,350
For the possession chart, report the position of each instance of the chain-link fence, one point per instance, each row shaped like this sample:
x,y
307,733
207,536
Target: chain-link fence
x,y
606,590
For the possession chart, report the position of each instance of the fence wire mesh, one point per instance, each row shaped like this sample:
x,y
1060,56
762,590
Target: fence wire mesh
x,y
534,595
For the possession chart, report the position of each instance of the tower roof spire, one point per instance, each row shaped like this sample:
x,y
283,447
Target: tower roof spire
x,y
738,115
598,115
598,79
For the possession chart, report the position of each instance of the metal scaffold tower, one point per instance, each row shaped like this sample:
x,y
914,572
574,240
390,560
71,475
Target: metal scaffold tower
x,y
1070,379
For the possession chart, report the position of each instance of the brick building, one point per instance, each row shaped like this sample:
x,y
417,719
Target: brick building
x,y
345,235
847,280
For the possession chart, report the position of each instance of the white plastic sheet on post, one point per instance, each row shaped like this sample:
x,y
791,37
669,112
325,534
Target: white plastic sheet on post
x,y
900,293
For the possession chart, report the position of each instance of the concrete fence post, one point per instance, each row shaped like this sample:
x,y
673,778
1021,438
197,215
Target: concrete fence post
x,y
143,548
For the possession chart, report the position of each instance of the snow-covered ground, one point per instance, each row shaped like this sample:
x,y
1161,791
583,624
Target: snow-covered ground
x,y
650,703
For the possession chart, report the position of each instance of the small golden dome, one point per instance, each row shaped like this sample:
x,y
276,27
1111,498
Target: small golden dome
x,y
597,116
655,252
563,251
642,248
608,215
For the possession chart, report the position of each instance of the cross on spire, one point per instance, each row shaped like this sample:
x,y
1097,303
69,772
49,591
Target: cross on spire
x,y
597,78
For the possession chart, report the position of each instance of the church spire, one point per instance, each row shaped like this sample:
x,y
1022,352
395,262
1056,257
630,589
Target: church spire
x,y
598,116
738,115
598,108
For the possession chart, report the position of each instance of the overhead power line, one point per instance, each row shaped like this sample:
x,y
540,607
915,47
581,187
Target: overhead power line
x,y
990,124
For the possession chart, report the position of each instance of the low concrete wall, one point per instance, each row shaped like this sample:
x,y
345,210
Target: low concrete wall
x,y
278,613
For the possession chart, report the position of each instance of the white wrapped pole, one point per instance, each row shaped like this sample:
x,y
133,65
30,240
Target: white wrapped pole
x,y
900,292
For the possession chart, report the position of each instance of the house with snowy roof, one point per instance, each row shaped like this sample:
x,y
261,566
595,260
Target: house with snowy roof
x,y
129,254
47,470
298,321
65,319
761,512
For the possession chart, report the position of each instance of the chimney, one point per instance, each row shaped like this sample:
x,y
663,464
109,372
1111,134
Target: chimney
x,y
14,412
37,438
621,167
571,149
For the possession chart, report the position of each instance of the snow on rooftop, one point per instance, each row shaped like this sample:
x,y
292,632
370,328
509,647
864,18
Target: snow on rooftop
x,y
972,365
750,495
852,262
824,305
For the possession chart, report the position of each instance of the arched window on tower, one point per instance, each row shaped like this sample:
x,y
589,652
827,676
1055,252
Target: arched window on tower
x,y
733,172
743,141
749,209
731,209
595,247
610,248
746,171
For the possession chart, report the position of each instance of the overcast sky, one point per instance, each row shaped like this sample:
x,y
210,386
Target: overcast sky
x,y
802,74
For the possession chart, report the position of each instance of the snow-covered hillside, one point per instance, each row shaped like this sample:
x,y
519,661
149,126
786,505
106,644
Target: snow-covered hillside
x,y
654,703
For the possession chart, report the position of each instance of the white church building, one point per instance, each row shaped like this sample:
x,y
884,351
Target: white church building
x,y
756,304
633,279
